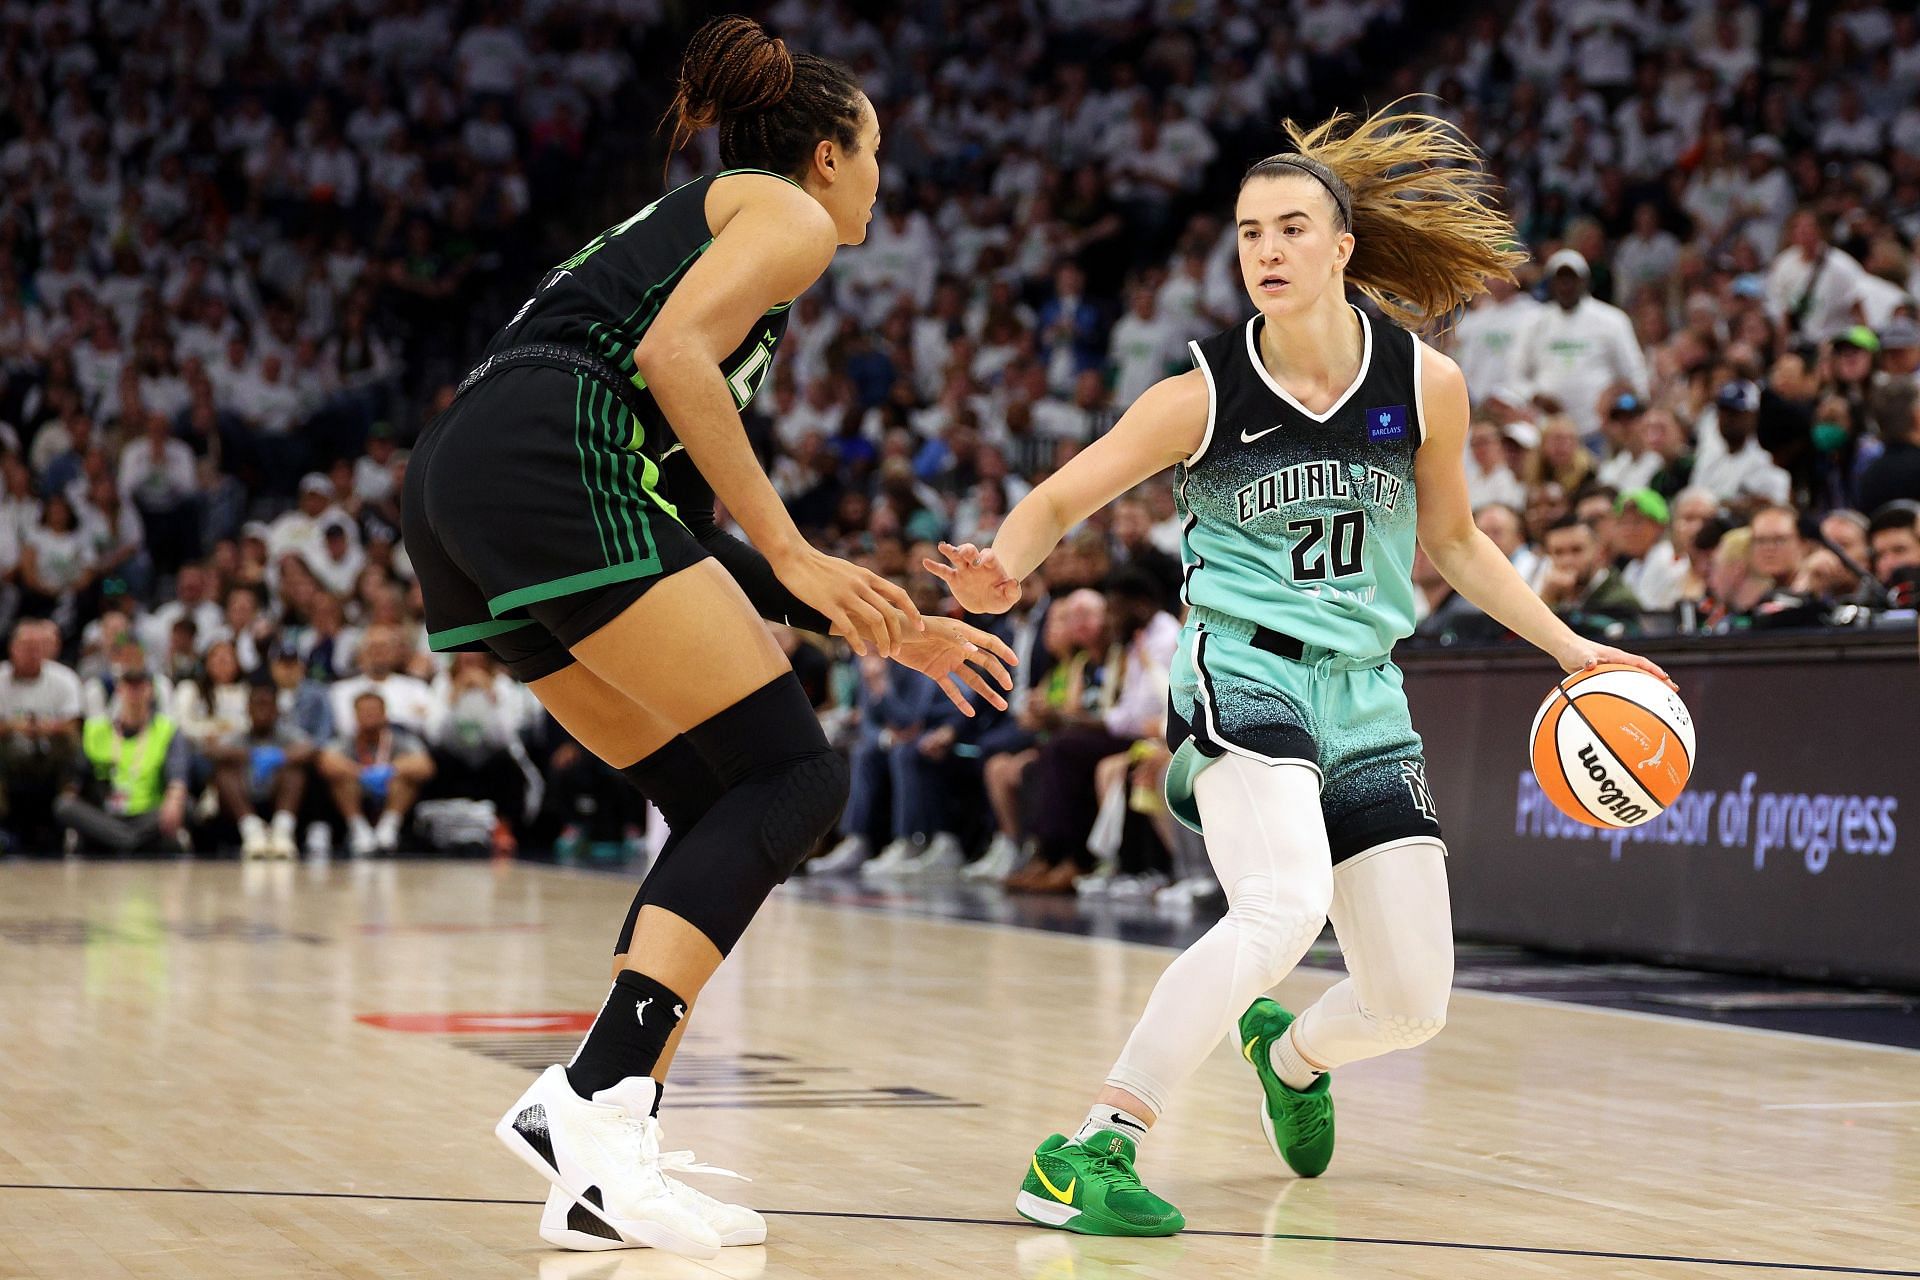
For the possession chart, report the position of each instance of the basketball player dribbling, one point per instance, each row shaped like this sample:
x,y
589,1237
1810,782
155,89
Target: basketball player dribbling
x,y
1311,447
541,518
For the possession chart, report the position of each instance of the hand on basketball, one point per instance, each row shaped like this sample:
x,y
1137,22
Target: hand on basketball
x,y
948,650
976,578
1586,654
869,611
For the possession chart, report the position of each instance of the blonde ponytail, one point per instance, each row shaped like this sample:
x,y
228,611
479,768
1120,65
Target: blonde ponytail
x,y
1427,226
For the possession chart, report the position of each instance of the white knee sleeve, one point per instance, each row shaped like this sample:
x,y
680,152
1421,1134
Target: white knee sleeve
x,y
1268,845
1395,924
1275,923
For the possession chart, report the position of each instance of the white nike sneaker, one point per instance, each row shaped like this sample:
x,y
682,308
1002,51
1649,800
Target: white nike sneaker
x,y
942,859
892,858
1096,882
605,1155
735,1224
1136,888
842,859
566,1225
1184,896
1001,860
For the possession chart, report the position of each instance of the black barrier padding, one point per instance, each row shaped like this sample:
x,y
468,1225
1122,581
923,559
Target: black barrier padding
x,y
1795,848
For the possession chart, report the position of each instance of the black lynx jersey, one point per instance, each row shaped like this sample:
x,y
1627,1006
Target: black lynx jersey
x,y
603,299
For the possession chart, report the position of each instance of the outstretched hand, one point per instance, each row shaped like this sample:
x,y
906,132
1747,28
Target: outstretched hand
x,y
872,613
948,650
977,579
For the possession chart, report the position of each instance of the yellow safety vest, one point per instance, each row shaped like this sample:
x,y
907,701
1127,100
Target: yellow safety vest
x,y
134,769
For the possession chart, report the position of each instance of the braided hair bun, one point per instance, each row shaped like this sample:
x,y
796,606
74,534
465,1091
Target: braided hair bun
x,y
732,66
772,106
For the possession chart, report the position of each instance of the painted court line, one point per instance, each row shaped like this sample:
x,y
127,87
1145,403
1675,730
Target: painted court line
x,y
1461,1245
1837,1106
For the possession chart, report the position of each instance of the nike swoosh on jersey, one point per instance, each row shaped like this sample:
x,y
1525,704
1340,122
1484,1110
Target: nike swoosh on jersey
x,y
1249,438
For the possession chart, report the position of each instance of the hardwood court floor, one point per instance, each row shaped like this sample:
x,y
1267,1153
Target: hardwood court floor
x,y
191,1090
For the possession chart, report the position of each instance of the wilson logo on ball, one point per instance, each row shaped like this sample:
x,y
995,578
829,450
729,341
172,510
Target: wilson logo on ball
x,y
1612,746
1612,798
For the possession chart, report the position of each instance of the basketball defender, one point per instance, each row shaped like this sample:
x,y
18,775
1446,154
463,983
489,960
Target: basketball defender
x,y
1311,446
541,528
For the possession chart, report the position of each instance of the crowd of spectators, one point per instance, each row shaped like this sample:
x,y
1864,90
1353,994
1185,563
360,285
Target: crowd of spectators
x,y
244,245
225,302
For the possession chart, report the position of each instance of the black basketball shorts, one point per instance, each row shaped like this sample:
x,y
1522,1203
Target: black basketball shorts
x,y
532,519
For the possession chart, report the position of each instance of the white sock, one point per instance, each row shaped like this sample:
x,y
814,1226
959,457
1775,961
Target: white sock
x,y
389,828
1294,1071
1103,1119
283,824
251,828
361,829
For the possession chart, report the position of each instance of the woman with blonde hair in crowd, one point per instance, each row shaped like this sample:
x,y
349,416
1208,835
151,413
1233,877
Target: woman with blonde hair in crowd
x,y
1733,586
1561,458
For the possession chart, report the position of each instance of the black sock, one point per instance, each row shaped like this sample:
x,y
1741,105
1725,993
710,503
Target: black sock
x,y
659,1092
628,1036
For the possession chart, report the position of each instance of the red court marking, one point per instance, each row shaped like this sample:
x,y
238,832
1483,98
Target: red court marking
x,y
479,1023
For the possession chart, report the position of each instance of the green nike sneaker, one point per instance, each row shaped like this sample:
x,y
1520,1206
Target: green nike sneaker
x,y
1298,1123
1093,1190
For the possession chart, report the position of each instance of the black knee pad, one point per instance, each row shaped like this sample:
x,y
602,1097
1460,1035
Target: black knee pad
x,y
813,796
678,781
785,787
682,786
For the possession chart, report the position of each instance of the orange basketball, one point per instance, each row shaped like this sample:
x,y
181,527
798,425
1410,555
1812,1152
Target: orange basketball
x,y
1612,746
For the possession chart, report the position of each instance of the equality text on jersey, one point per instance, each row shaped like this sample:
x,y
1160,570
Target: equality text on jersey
x,y
1319,480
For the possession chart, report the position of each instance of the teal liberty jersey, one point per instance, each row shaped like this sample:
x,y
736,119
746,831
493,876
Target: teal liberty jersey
x,y
1299,522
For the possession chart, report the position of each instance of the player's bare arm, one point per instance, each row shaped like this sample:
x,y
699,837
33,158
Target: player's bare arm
x,y
1466,557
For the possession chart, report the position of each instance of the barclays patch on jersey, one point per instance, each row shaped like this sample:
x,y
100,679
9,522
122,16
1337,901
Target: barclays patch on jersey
x,y
1389,423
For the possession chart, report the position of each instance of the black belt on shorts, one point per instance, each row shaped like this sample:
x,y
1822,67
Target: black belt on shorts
x,y
555,354
1277,642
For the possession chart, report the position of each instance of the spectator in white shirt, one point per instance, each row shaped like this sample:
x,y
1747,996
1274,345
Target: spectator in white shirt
x,y
493,59
265,399
41,704
1814,286
157,473
1851,131
373,122
1485,340
1646,558
192,600
410,701
373,478
1489,479
1578,346
1744,474
1142,348
1654,441
331,171
1646,258
298,531
338,560
488,138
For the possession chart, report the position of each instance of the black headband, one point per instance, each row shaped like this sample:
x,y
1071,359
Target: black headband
x,y
1326,177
